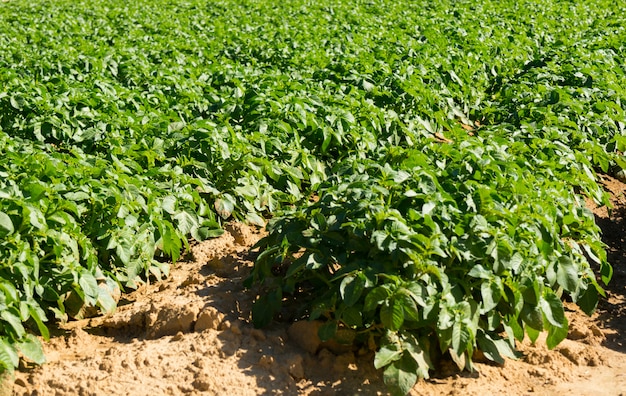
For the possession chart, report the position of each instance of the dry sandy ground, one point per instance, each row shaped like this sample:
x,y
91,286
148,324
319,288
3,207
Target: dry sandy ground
x,y
190,334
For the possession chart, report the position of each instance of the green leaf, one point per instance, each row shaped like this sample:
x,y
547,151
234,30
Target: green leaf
x,y
315,261
31,348
35,217
495,348
408,304
265,307
204,233
327,139
532,316
6,225
9,291
556,334
254,218
8,355
186,221
510,334
418,292
392,315
401,375
172,244
387,354
14,321
225,206
588,301
351,288
445,338
460,338
89,287
376,297
567,273
39,316
530,291
169,204
478,271
606,271
493,320
352,317
532,334
491,294
419,351
552,308
105,299
17,102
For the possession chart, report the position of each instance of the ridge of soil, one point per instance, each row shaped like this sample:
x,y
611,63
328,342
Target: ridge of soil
x,y
191,334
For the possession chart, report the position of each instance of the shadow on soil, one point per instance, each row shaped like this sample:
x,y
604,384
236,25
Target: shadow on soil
x,y
612,310
269,355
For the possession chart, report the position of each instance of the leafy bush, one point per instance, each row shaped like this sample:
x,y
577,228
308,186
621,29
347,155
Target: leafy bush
x,y
446,251
72,224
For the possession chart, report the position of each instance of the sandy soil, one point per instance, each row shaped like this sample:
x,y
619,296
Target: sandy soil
x,y
190,334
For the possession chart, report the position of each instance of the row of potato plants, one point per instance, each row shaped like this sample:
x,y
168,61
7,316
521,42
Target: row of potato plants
x,y
447,147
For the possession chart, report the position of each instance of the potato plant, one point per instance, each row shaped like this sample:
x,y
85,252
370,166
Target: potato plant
x,y
422,260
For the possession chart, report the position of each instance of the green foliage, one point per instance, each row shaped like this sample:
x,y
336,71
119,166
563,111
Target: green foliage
x,y
410,248
423,165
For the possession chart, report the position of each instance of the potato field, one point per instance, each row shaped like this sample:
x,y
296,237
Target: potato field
x,y
422,170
